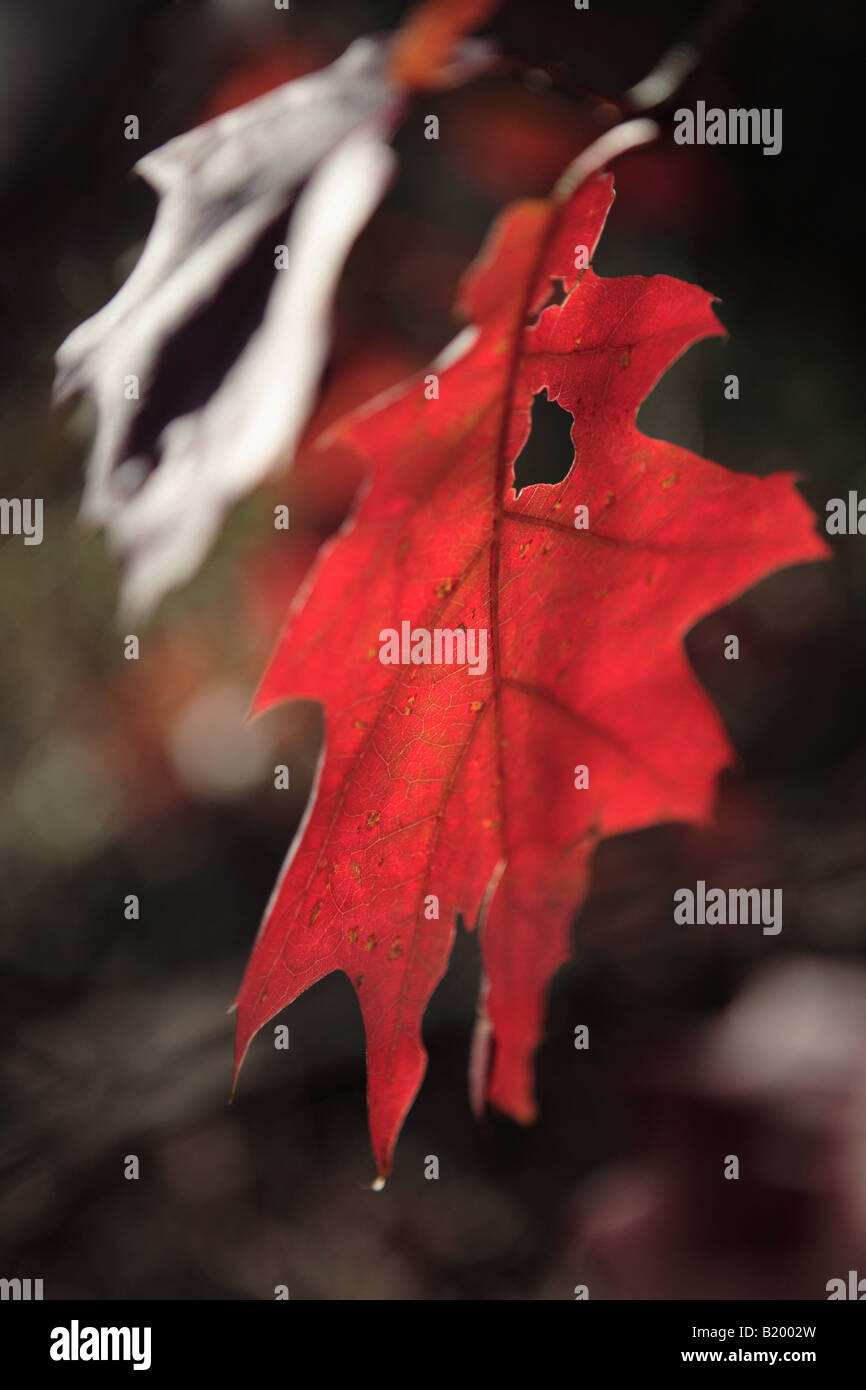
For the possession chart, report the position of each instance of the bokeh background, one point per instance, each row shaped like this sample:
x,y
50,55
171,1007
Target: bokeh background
x,y
122,777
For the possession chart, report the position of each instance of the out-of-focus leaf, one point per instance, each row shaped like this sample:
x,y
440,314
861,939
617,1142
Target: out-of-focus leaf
x,y
223,349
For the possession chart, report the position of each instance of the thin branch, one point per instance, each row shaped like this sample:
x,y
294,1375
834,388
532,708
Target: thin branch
x,y
679,62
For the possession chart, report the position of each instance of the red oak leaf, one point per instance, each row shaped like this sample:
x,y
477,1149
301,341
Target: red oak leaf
x,y
451,790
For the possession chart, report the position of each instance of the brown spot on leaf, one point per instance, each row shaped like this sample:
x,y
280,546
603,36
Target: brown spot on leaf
x,y
625,358
315,912
353,935
369,943
670,480
356,869
372,819
396,950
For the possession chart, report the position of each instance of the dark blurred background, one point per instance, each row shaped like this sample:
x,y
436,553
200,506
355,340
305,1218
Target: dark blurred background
x,y
139,778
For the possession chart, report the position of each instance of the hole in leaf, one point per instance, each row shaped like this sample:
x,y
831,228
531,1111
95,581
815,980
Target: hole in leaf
x,y
556,296
548,453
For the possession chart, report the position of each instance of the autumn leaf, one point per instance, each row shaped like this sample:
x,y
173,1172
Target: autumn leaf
x,y
443,789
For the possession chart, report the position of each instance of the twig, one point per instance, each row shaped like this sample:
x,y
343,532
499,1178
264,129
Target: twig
x,y
680,61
